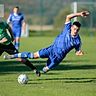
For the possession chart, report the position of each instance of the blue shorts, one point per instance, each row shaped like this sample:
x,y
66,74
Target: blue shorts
x,y
17,32
53,58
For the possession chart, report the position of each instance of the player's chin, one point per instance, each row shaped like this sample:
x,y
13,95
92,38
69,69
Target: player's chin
x,y
75,35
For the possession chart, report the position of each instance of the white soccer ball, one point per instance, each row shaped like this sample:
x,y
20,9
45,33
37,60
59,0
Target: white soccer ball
x,y
23,79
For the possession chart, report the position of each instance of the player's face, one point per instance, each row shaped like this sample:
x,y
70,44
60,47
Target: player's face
x,y
74,30
15,10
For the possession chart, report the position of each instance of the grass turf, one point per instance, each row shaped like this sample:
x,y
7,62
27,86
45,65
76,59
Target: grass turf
x,y
75,76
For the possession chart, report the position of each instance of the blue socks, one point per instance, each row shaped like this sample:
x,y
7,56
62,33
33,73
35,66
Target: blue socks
x,y
24,55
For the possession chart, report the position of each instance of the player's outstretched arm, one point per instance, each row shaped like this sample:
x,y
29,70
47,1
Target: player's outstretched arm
x,y
82,14
79,53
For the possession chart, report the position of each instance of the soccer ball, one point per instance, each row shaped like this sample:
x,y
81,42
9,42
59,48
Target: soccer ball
x,y
22,79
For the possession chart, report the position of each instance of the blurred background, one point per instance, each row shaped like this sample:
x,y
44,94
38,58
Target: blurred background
x,y
47,17
75,76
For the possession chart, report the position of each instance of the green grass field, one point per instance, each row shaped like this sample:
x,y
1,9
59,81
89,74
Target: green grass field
x,y
75,76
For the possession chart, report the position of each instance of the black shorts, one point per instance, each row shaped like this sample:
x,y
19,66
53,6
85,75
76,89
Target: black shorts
x,y
10,49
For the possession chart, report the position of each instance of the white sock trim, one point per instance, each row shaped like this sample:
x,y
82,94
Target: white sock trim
x,y
19,54
38,53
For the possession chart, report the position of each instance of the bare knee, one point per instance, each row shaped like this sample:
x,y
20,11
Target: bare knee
x,y
19,59
17,39
36,55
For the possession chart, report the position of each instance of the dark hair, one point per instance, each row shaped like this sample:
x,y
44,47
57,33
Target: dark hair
x,y
77,24
16,7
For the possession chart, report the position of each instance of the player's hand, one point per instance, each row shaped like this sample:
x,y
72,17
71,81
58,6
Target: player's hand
x,y
3,40
84,13
79,53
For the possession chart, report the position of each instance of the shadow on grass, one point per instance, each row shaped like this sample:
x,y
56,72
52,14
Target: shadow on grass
x,y
72,80
14,66
75,67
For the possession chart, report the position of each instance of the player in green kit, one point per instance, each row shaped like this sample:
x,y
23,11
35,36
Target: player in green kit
x,y
6,38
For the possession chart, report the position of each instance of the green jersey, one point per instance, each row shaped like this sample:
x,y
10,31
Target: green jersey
x,y
4,34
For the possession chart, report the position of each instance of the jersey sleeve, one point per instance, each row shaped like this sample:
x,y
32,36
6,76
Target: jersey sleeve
x,y
67,26
9,19
78,46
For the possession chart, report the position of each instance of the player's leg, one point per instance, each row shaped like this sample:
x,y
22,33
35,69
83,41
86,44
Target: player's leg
x,y
43,53
46,53
17,43
46,68
10,49
1,49
30,65
50,65
21,55
29,55
17,36
52,62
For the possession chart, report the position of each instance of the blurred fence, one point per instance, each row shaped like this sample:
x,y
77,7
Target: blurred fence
x,y
89,23
1,10
52,13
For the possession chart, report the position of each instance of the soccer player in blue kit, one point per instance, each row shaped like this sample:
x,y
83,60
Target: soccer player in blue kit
x,y
67,40
16,20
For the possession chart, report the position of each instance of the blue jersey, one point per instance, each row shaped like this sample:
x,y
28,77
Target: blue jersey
x,y
58,50
65,42
16,20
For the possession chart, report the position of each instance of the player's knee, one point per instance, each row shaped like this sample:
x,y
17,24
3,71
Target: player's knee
x,y
17,39
19,59
36,55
